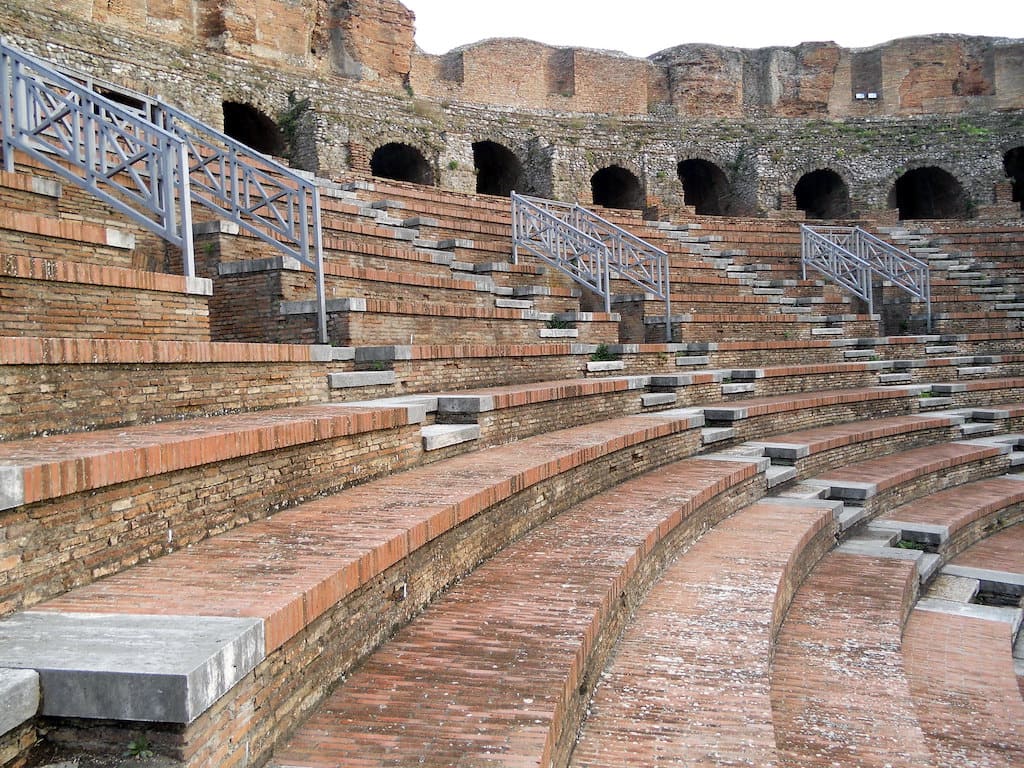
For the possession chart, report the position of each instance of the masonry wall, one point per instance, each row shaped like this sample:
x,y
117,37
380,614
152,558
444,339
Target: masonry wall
x,y
763,117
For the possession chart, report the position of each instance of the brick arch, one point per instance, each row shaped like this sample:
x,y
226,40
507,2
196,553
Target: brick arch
x,y
614,186
929,191
1013,166
253,127
402,162
823,194
706,186
499,170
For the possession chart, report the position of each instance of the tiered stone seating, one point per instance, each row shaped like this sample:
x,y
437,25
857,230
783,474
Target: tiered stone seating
x,y
276,517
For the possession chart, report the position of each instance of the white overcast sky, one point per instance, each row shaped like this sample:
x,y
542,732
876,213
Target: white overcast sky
x,y
643,27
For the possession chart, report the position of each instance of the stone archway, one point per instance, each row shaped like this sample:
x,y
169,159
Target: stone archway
x,y
1013,164
705,187
929,193
615,187
498,170
245,123
401,162
822,194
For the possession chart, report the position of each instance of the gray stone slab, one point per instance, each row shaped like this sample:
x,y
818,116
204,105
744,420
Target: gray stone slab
x,y
465,403
596,366
437,436
1011,616
652,399
711,435
19,697
784,451
736,388
559,333
12,487
1005,582
725,414
353,379
125,667
846,489
777,475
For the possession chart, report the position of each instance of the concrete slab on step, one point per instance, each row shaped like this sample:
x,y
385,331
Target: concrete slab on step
x,y
513,304
465,403
19,697
1011,616
725,413
777,475
653,399
437,436
990,580
710,435
695,360
353,379
736,388
852,490
166,669
783,451
595,366
559,333
455,242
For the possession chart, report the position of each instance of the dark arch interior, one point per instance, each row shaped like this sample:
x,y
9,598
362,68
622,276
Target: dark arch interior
x,y
615,187
823,194
248,125
1013,163
929,193
498,170
401,163
705,187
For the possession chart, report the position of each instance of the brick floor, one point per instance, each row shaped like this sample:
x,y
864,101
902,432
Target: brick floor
x,y
1003,551
839,694
965,692
689,681
486,676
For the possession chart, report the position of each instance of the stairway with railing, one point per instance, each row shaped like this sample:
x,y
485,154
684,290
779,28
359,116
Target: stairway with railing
x,y
853,257
150,161
589,249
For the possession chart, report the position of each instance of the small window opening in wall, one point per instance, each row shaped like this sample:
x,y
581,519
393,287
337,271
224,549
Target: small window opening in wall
x,y
401,162
615,187
823,194
705,187
498,170
245,123
929,193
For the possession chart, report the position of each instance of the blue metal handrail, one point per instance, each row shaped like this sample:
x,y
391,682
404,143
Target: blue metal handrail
x,y
590,249
111,151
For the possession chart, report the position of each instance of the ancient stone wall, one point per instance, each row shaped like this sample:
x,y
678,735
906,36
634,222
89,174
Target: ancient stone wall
x,y
762,118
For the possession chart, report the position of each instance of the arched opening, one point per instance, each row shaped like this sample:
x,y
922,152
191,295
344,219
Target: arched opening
x,y
498,170
401,163
1013,164
823,194
929,193
705,187
615,187
245,123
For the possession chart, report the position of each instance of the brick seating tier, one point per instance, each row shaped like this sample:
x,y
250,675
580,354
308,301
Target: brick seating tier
x,y
689,679
504,663
845,623
415,532
47,297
